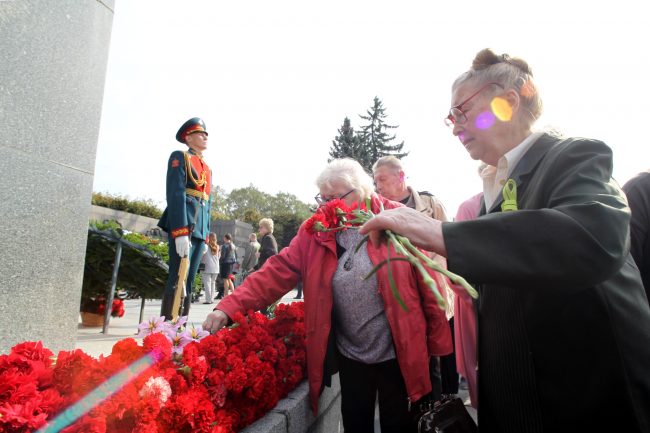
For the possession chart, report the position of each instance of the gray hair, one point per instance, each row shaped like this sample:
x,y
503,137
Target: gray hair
x,y
350,173
510,72
267,223
389,161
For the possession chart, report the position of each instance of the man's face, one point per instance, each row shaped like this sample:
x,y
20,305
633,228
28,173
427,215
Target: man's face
x,y
198,142
388,182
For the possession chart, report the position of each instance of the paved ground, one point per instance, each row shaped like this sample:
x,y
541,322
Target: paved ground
x,y
95,343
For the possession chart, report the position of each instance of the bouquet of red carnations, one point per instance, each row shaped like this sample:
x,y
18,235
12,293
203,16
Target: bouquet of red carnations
x,y
335,215
178,380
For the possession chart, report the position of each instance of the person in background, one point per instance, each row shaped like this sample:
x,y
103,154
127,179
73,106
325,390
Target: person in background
x,y
250,257
354,325
226,262
637,190
465,319
390,181
268,244
187,216
298,291
563,319
211,270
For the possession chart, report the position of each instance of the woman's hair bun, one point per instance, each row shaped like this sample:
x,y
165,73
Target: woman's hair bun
x,y
486,58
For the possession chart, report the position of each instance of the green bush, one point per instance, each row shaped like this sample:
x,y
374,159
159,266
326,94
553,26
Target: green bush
x,y
139,207
142,267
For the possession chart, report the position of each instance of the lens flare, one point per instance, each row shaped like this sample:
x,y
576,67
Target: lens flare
x,y
484,120
528,89
501,109
98,395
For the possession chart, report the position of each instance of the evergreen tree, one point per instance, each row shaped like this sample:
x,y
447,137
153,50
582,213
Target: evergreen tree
x,y
375,138
348,145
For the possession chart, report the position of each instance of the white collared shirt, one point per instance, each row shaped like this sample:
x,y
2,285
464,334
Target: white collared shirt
x,y
492,185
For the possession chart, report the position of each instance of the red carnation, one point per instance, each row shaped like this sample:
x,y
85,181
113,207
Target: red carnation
x,y
317,223
159,345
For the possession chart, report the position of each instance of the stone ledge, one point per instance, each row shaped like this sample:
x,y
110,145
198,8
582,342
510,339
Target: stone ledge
x,y
293,414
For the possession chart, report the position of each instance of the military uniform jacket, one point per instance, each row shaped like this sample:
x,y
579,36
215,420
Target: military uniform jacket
x,y
189,180
563,320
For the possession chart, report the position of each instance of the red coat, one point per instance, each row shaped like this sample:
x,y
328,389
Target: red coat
x,y
418,333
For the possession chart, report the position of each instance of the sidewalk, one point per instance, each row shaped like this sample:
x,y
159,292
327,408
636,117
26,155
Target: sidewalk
x,y
94,343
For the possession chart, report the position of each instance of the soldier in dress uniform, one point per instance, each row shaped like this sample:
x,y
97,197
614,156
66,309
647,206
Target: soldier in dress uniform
x,y
187,216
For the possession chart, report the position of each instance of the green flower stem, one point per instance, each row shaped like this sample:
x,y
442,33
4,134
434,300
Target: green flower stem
x,y
455,278
397,240
382,263
363,241
393,286
431,283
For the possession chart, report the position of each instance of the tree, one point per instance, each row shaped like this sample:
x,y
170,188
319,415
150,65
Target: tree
x,y
241,200
289,203
286,225
375,138
348,145
219,210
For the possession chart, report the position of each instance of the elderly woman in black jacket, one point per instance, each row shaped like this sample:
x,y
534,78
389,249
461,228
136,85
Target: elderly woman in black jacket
x,y
563,320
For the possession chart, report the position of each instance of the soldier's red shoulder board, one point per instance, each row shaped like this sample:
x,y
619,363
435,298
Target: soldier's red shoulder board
x,y
175,163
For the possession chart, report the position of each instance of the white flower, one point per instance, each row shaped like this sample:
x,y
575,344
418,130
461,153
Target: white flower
x,y
157,387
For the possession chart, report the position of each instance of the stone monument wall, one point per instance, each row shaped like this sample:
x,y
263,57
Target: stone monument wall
x,y
52,73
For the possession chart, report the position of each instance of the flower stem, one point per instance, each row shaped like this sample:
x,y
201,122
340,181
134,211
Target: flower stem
x,y
455,278
397,240
393,286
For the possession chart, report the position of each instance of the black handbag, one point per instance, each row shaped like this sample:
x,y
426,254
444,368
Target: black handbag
x,y
446,416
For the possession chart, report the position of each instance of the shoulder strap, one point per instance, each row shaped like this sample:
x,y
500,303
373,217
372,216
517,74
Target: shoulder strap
x,y
188,164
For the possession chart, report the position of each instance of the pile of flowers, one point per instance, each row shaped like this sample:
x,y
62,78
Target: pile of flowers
x,y
196,382
97,305
335,215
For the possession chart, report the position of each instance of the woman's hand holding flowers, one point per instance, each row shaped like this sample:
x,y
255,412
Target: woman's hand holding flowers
x,y
423,231
215,321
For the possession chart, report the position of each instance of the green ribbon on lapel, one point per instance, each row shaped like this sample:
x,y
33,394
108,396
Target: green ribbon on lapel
x,y
509,196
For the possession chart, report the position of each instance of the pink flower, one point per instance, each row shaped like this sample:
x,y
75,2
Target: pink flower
x,y
155,324
194,334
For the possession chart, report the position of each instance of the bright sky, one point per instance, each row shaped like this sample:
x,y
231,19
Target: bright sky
x,y
273,81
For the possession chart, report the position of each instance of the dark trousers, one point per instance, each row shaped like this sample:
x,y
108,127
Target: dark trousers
x,y
434,376
361,384
196,252
448,370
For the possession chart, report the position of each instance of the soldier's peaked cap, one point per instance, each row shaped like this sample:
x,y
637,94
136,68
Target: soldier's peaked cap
x,y
195,124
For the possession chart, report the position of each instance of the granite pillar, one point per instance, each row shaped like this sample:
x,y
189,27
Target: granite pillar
x,y
52,73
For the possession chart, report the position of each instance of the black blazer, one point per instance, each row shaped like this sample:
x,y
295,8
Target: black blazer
x,y
564,323
268,248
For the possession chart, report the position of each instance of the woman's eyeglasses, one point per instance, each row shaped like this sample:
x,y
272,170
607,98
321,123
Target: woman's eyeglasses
x,y
457,115
322,200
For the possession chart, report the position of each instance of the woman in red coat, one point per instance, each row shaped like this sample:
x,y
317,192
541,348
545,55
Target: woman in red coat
x,y
378,348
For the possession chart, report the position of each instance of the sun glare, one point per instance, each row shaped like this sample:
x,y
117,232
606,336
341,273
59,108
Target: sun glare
x,y
501,109
485,120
